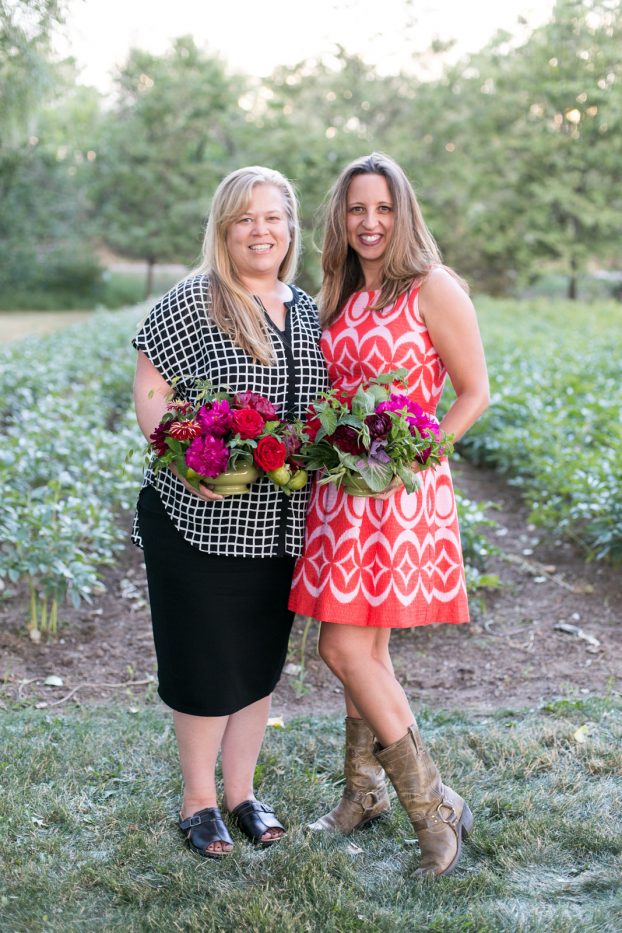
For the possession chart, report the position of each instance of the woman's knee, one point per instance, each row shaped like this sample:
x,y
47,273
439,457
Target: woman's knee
x,y
342,652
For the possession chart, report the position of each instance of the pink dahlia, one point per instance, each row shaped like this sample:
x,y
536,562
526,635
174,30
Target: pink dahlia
x,y
215,418
207,455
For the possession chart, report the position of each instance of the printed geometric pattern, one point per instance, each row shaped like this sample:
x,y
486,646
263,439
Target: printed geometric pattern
x,y
395,563
182,342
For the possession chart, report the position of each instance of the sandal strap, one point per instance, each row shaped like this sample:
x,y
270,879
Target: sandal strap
x,y
255,818
215,829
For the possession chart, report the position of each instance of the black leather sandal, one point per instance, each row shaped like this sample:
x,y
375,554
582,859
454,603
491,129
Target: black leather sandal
x,y
255,818
204,828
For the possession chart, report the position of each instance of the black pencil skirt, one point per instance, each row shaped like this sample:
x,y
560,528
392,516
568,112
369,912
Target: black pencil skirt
x,y
220,624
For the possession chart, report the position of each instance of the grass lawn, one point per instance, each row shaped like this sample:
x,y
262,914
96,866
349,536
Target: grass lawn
x,y
88,839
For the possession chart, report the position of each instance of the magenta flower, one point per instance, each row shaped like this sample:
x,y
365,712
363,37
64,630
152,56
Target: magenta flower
x,y
207,455
257,402
415,415
215,418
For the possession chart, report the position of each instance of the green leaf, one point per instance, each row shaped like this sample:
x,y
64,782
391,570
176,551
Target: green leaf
x,y
377,475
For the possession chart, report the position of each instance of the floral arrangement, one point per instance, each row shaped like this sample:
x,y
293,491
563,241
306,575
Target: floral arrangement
x,y
363,441
224,432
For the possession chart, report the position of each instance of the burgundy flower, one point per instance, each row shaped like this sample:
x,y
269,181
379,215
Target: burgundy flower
x,y
207,455
215,418
184,430
247,423
292,442
158,439
379,425
257,402
347,439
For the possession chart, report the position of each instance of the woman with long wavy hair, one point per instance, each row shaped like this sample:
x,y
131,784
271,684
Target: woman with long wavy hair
x,y
392,560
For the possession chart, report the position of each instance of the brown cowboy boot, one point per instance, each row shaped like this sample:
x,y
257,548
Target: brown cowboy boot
x,y
365,797
440,817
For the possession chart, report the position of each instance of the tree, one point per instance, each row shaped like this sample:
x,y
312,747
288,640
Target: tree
x,y
42,208
524,159
162,150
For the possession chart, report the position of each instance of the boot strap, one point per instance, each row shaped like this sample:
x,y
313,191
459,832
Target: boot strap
x,y
366,799
437,817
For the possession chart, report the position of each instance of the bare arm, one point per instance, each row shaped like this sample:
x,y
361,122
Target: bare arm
x,y
151,396
450,317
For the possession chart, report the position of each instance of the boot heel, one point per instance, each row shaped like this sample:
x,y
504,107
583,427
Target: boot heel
x,y
466,821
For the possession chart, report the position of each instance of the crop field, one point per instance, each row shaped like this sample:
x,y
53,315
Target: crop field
x,y
555,423
88,838
66,427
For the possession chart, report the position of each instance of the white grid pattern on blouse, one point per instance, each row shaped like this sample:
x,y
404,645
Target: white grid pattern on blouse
x,y
181,341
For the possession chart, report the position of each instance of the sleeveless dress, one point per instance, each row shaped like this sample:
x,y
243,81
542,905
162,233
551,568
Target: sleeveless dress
x,y
394,563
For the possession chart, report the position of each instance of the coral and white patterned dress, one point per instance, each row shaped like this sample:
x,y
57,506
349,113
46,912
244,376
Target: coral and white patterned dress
x,y
394,563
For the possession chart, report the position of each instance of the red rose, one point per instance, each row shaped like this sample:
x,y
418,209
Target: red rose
x,y
247,423
312,424
270,453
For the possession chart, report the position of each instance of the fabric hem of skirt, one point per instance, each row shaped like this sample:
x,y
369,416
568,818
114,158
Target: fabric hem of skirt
x,y
359,624
192,711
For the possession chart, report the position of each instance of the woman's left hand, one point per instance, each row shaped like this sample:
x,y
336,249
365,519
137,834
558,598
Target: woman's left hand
x,y
393,486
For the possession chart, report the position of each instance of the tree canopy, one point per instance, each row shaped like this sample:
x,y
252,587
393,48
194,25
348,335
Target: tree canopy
x,y
515,151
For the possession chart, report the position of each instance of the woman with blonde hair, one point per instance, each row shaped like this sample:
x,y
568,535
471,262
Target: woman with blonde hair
x,y
219,569
392,560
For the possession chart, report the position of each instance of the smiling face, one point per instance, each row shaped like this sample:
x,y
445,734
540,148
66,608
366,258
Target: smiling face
x,y
369,220
259,238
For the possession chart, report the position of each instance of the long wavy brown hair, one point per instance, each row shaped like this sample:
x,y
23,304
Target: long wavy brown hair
x,y
411,252
233,308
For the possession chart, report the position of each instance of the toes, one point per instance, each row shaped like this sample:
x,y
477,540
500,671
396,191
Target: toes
x,y
219,847
272,834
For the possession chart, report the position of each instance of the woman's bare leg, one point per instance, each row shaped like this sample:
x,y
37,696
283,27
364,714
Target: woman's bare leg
x,y
359,660
381,651
240,749
198,740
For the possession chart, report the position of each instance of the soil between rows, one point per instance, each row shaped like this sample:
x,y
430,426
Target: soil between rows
x,y
510,655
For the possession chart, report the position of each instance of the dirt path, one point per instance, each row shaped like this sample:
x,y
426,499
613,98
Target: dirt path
x,y
511,655
15,324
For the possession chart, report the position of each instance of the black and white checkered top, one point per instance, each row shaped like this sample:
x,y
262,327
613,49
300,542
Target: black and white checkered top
x,y
181,341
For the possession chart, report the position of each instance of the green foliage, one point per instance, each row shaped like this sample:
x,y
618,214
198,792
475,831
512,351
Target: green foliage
x,y
162,149
515,151
88,836
65,426
554,422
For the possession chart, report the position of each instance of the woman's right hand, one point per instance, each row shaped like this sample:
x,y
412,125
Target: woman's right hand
x,y
203,492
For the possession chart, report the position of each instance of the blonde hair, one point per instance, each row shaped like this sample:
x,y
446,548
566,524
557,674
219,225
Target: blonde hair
x,y
233,308
411,251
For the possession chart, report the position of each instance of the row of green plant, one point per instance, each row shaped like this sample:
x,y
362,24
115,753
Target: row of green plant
x,y
554,426
65,428
66,425
88,836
